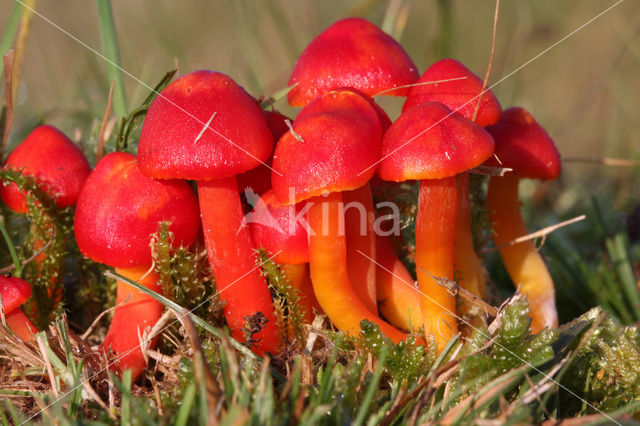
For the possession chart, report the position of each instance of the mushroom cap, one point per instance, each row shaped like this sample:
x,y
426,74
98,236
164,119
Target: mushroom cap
x,y
276,228
176,142
458,95
259,178
341,136
352,52
524,146
56,162
428,141
14,292
120,208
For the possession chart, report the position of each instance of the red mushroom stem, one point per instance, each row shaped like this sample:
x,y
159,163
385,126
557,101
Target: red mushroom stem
x,y
523,262
231,252
361,244
329,275
435,229
135,311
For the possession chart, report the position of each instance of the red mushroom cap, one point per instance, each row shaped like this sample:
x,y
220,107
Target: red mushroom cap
x,y
428,141
259,178
177,143
55,161
120,208
276,228
458,95
341,136
524,146
355,53
14,292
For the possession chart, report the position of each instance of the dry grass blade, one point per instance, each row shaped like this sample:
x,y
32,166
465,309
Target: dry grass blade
x,y
493,49
21,43
102,136
8,61
538,234
490,171
201,368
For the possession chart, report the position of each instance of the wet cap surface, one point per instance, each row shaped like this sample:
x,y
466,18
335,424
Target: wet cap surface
x,y
354,53
120,208
451,145
458,95
174,145
523,145
14,292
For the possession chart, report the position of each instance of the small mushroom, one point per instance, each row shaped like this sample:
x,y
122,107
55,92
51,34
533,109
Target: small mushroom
x,y
523,145
118,210
15,292
431,144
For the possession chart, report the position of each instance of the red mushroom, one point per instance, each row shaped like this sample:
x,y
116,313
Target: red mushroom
x,y
461,95
523,145
56,163
118,210
354,53
431,144
334,139
15,292
205,127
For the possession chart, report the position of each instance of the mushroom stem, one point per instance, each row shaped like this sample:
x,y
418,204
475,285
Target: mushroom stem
x,y
328,264
20,325
398,297
232,257
468,267
523,262
135,312
359,219
298,275
435,229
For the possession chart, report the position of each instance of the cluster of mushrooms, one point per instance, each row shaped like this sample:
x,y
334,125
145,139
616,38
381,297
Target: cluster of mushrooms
x,y
206,128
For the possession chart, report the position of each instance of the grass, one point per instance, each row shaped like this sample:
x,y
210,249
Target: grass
x,y
588,366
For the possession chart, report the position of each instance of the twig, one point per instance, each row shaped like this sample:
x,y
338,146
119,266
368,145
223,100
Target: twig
x,y
455,289
293,132
103,126
538,234
47,363
493,49
490,171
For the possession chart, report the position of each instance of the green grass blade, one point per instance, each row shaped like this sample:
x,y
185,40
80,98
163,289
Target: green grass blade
x,y
182,418
17,272
10,31
111,51
371,390
618,248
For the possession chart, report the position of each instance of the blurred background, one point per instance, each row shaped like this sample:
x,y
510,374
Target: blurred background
x,y
585,90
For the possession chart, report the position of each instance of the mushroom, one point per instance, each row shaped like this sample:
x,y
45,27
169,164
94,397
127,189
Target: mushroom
x,y
56,163
459,89
118,211
354,53
431,144
277,228
15,292
336,137
205,127
523,145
